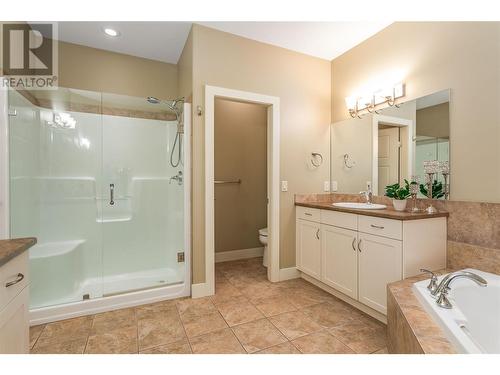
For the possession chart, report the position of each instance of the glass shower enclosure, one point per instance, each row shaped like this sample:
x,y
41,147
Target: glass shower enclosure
x,y
91,176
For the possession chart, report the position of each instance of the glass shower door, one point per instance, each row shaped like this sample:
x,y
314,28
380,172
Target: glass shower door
x,y
55,170
142,212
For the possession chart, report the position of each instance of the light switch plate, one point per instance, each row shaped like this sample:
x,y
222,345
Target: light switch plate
x,y
334,186
326,186
284,185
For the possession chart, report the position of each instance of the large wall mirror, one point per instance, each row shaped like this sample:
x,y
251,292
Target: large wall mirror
x,y
392,145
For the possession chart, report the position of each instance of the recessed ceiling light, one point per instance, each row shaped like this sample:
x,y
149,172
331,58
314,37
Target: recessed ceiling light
x,y
111,32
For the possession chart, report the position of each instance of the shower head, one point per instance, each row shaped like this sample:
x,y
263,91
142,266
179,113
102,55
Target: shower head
x,y
153,100
173,104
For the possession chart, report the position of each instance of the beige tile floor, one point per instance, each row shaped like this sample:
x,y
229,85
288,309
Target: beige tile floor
x,y
248,314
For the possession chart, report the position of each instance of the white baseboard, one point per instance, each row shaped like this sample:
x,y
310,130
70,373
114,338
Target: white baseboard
x,y
226,256
289,273
201,290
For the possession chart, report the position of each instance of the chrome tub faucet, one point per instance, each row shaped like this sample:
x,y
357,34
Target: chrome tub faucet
x,y
442,290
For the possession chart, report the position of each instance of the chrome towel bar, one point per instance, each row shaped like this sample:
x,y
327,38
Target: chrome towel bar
x,y
238,181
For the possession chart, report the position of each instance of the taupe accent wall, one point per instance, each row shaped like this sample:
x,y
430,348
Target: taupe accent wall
x,y
240,153
429,57
86,68
303,85
434,121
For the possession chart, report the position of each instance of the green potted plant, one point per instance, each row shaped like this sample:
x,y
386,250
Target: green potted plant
x,y
437,189
398,194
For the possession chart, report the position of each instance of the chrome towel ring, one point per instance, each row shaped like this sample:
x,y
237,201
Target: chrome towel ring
x,y
348,162
317,159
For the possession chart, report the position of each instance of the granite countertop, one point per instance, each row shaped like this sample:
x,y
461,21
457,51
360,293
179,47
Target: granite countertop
x,y
10,249
387,213
431,338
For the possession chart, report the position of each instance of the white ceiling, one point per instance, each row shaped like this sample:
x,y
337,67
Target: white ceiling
x,y
164,41
326,40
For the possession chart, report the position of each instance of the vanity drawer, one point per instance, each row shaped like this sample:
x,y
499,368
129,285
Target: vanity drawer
x,y
339,219
10,273
306,213
381,227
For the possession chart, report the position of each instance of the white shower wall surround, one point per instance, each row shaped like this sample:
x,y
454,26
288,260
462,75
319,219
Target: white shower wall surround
x,y
89,245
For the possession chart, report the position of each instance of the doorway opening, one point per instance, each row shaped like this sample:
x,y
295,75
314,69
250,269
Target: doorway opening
x,y
214,97
393,152
240,167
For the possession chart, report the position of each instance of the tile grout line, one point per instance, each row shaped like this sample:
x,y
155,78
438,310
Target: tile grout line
x,y
136,329
89,334
38,337
231,328
184,328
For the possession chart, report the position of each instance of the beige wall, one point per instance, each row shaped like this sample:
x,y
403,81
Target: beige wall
x,y
303,85
94,69
434,121
430,57
240,153
185,70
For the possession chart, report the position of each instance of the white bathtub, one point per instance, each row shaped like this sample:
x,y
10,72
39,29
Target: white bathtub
x,y
473,324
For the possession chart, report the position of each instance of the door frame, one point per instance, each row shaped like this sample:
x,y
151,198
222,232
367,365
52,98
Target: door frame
x,y
397,122
4,164
273,175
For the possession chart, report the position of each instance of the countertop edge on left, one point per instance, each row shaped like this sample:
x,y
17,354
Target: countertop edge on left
x,y
11,248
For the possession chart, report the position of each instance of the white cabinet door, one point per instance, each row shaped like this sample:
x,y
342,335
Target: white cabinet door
x,y
308,248
14,325
340,259
380,262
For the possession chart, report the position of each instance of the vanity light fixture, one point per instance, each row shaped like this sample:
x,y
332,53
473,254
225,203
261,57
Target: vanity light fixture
x,y
352,105
111,32
357,104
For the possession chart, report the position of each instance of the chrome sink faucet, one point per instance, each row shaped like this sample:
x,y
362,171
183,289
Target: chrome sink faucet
x,y
368,195
444,286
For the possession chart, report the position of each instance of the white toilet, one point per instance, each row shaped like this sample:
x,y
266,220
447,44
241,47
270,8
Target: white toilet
x,y
263,240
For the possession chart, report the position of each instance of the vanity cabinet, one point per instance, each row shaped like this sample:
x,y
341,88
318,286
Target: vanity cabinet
x,y
379,263
358,255
340,259
14,306
308,238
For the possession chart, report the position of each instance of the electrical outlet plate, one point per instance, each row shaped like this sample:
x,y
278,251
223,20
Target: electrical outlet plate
x,y
326,186
284,185
334,186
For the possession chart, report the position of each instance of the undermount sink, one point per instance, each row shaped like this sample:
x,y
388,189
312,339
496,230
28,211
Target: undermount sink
x,y
360,206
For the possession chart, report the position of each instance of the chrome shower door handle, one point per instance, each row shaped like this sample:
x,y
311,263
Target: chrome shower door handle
x,y
111,194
